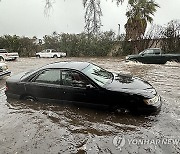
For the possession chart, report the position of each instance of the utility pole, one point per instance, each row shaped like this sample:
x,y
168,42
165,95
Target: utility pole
x,y
119,27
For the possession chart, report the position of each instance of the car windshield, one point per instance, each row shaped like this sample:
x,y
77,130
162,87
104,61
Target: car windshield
x,y
44,51
148,51
98,75
141,52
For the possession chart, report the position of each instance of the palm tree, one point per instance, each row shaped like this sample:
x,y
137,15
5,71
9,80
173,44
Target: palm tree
x,y
139,13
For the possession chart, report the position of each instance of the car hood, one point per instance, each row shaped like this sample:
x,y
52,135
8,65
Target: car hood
x,y
131,85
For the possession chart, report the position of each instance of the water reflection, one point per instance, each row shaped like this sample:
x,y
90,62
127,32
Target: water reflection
x,y
72,129
74,116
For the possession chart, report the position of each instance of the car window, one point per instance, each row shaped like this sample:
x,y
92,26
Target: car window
x,y
53,51
44,51
156,51
149,52
72,78
49,76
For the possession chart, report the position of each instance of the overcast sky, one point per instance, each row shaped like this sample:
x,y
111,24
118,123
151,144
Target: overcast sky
x,y
27,18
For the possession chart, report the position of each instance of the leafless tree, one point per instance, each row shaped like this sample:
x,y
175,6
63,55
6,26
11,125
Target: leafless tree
x,y
151,39
93,14
171,35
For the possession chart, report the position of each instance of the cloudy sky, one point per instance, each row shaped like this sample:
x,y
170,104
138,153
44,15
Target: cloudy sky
x,y
27,18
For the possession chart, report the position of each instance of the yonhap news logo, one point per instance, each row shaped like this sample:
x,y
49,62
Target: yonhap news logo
x,y
119,141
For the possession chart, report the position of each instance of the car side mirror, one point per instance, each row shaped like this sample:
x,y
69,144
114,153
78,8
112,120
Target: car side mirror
x,y
142,54
90,86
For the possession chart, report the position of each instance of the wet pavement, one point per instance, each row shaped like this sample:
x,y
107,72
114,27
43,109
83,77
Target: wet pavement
x,y
40,128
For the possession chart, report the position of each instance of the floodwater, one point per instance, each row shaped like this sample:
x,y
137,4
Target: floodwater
x,y
43,128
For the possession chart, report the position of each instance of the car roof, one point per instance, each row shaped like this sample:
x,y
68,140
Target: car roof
x,y
69,65
154,48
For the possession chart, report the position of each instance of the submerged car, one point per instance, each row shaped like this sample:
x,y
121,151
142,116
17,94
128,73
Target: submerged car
x,y
86,84
153,56
4,70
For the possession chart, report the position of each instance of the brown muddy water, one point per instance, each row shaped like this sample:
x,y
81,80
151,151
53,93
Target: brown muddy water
x,y
43,128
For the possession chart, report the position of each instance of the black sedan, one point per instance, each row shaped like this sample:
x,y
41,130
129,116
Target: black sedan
x,y
86,84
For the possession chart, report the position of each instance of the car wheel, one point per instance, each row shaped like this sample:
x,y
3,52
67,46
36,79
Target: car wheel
x,y
174,60
38,56
134,60
55,56
1,59
29,98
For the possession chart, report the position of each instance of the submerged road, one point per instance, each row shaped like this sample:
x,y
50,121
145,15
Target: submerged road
x,y
43,128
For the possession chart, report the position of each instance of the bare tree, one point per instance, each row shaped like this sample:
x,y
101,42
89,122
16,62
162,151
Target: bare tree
x,y
151,39
171,35
93,14
48,7
172,29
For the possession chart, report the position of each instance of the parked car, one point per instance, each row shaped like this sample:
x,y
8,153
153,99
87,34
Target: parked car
x,y
50,53
4,70
5,55
84,83
153,56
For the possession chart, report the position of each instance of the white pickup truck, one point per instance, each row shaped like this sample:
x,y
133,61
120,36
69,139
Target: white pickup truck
x,y
5,55
50,53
